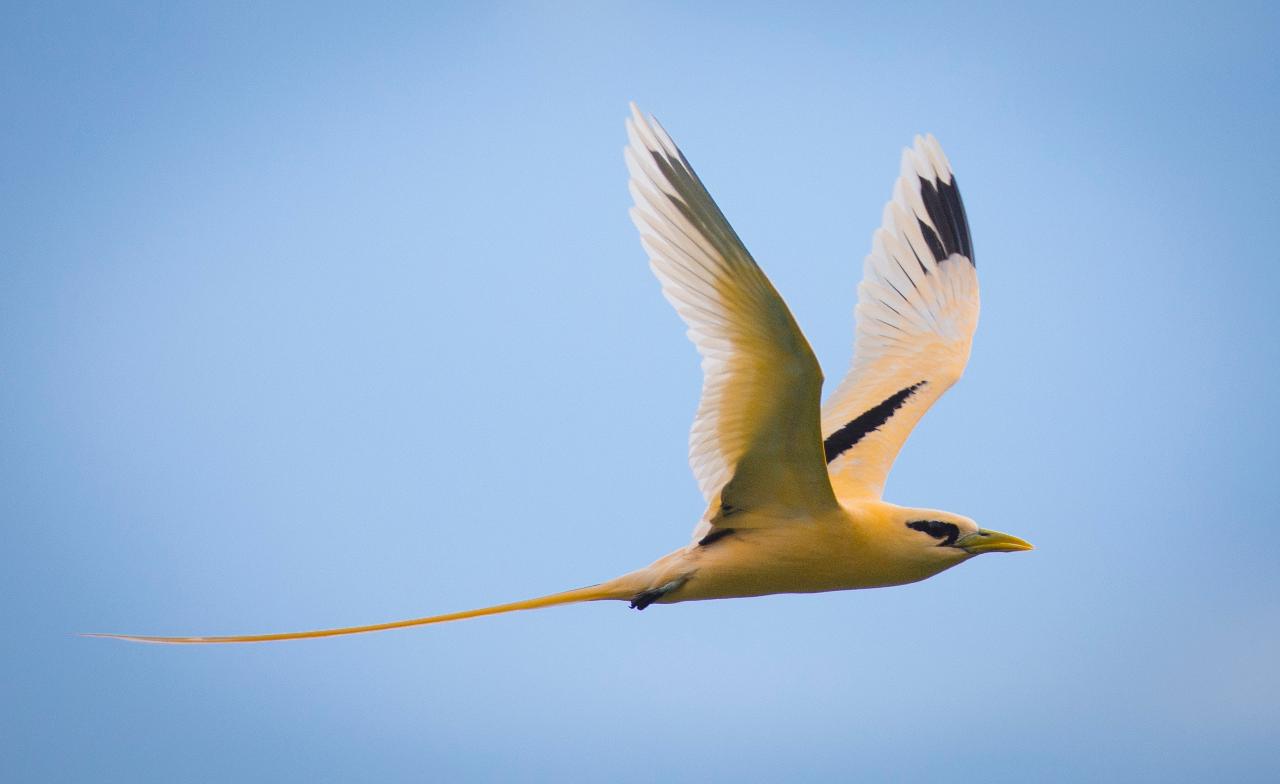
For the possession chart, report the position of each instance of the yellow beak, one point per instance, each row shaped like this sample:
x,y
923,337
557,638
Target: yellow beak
x,y
983,541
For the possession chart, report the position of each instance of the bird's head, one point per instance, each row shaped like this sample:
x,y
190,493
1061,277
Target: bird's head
x,y
935,535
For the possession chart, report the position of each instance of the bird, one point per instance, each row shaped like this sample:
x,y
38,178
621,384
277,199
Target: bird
x,y
793,485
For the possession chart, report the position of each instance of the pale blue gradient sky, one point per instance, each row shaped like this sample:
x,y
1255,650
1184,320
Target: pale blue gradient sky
x,y
312,317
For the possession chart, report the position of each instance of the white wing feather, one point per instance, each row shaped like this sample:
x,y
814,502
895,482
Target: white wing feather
x,y
914,323
755,442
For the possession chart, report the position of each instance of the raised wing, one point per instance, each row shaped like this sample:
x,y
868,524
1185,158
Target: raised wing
x,y
914,323
755,443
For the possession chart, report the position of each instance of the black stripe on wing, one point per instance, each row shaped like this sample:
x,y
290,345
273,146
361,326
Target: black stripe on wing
x,y
871,420
946,210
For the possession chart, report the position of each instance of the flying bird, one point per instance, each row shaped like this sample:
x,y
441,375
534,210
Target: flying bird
x,y
792,485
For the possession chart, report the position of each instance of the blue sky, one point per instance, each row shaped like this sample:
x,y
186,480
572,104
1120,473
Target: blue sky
x,y
313,316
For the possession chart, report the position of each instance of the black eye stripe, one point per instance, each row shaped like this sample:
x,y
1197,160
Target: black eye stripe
x,y
949,532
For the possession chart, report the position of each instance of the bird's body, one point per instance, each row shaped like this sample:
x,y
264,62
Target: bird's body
x,y
793,485
849,547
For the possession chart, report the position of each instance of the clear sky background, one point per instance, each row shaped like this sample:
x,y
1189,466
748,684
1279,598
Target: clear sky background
x,y
312,316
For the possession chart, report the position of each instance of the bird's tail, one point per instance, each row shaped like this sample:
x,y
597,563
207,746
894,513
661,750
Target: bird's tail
x,y
608,590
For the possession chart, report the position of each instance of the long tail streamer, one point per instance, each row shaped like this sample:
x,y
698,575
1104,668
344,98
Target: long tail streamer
x,y
588,594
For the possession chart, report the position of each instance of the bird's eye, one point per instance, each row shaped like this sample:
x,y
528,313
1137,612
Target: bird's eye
x,y
948,532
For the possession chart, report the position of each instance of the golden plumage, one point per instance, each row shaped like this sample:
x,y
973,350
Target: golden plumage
x,y
793,486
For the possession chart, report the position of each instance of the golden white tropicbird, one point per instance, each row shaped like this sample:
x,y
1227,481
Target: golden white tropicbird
x,y
792,488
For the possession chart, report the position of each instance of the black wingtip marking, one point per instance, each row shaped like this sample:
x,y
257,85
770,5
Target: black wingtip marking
x,y
873,419
951,195
946,211
936,246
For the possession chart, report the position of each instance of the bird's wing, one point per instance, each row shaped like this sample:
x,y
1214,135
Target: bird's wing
x,y
756,444
914,323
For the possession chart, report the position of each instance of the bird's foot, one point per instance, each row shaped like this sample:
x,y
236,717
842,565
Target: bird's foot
x,y
646,598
